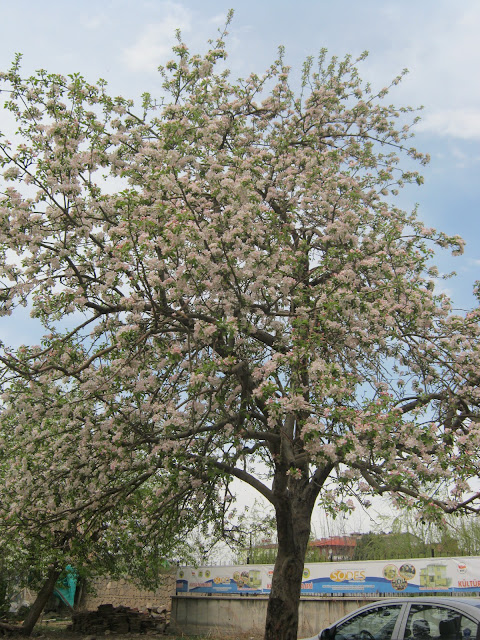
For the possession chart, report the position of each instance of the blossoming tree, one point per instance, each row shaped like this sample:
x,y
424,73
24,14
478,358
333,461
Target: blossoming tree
x,y
228,292
65,499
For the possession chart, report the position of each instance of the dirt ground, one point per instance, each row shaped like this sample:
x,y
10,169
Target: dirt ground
x,y
40,634
58,631
48,634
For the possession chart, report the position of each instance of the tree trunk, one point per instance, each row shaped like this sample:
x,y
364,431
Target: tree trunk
x,y
293,530
40,601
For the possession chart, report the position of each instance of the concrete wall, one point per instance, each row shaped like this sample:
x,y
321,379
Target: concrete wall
x,y
197,615
122,592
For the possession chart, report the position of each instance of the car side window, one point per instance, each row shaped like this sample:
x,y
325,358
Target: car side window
x,y
429,622
374,624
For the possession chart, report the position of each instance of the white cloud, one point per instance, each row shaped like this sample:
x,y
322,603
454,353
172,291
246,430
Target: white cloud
x,y
94,22
441,49
219,19
460,123
441,288
153,47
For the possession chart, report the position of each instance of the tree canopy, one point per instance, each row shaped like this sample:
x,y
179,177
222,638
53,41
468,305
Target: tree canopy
x,y
226,291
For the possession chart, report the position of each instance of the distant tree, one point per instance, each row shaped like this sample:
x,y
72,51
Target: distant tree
x,y
258,535
410,537
466,531
239,299
386,546
266,553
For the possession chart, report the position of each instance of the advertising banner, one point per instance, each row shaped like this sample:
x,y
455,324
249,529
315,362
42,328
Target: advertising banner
x,y
423,575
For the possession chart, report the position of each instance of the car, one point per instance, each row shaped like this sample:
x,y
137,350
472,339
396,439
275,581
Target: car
x,y
409,618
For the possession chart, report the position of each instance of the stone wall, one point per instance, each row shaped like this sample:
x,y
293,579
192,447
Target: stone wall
x,y
125,593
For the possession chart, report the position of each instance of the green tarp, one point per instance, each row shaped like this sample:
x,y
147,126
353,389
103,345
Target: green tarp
x,y
66,586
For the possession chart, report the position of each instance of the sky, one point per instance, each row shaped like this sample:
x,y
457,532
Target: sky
x,y
124,42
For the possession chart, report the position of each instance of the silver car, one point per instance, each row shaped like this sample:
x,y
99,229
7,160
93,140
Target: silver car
x,y
420,618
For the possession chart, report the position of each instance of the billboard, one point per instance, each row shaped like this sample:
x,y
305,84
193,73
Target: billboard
x,y
422,575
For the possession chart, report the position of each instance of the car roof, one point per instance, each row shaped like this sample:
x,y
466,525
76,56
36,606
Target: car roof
x,y
445,600
467,599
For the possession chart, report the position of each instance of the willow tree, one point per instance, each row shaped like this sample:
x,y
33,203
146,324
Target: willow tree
x,y
227,291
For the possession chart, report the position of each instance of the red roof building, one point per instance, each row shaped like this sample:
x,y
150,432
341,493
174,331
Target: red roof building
x,y
334,548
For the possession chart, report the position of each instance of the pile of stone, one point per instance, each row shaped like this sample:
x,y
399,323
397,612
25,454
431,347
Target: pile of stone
x,y
110,619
